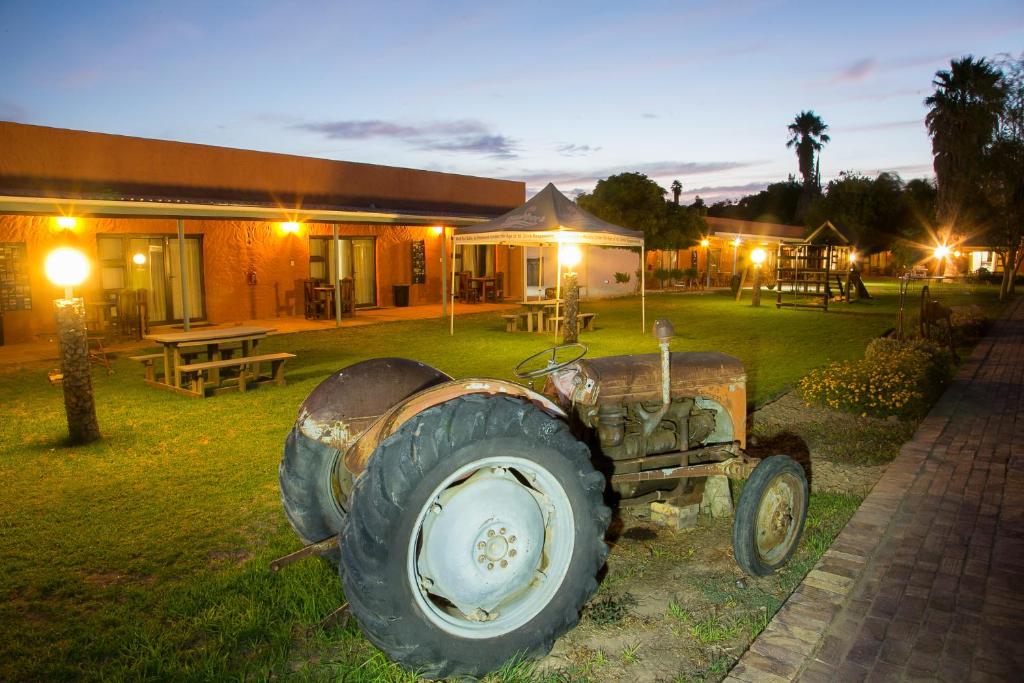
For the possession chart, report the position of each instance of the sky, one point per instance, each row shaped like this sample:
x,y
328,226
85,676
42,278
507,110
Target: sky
x,y
563,92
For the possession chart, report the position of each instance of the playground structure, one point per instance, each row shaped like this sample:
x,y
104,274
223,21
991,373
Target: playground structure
x,y
805,271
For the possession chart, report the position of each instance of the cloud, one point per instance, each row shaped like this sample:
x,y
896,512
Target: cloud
x,y
649,115
715,193
460,135
12,111
883,125
574,150
857,71
657,169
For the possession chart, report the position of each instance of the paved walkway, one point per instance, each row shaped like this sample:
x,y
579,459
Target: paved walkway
x,y
926,582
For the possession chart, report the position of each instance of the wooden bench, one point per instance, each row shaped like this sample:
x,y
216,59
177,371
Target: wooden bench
x,y
585,321
147,360
513,321
248,368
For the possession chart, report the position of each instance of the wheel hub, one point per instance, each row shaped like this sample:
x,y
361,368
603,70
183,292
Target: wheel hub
x,y
482,542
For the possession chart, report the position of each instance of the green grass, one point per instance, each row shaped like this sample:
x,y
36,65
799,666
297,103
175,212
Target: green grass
x,y
144,556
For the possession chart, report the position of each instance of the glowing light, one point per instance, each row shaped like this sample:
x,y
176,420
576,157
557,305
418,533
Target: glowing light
x,y
67,267
139,259
438,230
67,222
941,251
705,243
758,256
853,257
570,254
290,228
737,242
956,253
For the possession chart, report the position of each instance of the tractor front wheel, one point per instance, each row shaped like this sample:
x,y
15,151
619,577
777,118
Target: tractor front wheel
x,y
770,515
474,536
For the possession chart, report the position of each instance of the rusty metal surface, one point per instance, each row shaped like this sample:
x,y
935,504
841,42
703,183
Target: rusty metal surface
x,y
350,400
359,454
310,550
734,468
638,377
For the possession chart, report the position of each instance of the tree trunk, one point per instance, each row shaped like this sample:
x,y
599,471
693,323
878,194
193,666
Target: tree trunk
x,y
571,292
77,374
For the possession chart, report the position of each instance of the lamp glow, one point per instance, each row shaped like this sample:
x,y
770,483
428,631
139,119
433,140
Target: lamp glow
x,y
438,230
570,255
67,267
705,243
758,256
957,253
139,259
290,227
737,242
853,257
67,222
941,251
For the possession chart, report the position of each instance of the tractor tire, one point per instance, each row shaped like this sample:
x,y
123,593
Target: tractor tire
x,y
429,558
770,515
306,476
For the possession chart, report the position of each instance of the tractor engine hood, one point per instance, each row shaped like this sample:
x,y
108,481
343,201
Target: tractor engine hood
x,y
616,379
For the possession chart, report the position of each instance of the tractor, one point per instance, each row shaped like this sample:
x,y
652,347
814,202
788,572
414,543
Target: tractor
x,y
467,517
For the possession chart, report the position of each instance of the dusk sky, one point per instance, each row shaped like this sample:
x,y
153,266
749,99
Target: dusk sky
x,y
554,91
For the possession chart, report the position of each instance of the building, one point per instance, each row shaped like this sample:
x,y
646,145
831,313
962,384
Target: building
x,y
256,225
728,245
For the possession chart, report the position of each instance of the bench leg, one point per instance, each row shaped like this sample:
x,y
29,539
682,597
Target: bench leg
x,y
278,372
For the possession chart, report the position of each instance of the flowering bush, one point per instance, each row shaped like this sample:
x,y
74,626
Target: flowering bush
x,y
969,324
893,378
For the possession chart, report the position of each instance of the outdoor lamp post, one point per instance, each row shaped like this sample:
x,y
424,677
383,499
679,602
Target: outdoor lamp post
x,y
706,243
570,256
757,257
68,268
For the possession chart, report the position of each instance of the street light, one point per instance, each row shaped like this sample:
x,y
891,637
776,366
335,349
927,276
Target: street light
x,y
570,255
757,257
68,268
941,252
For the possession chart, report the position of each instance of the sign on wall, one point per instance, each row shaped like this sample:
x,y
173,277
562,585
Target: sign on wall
x,y
15,293
419,262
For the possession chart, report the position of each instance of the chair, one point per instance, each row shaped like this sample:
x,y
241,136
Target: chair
x,y
315,306
128,318
498,290
467,292
348,297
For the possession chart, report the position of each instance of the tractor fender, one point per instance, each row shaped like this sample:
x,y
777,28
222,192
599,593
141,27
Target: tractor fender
x,y
355,459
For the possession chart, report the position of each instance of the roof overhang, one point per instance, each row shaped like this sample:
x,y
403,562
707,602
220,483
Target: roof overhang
x,y
124,208
550,238
753,238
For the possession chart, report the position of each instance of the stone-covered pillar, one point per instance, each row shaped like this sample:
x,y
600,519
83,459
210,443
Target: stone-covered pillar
x,y
77,375
571,291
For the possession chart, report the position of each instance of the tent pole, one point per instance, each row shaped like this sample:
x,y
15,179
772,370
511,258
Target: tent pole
x,y
558,290
444,272
643,291
525,290
451,328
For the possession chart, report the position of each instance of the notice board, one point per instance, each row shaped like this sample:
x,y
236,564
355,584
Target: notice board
x,y
419,262
15,293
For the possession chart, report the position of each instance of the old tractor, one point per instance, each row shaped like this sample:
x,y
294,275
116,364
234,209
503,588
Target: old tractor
x,y
467,517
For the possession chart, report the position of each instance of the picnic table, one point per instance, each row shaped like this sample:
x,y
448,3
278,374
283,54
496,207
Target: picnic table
x,y
537,310
220,347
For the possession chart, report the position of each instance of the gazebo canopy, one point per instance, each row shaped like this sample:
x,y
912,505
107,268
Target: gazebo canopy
x,y
549,218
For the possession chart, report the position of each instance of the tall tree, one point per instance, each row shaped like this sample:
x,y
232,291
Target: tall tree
x,y
963,115
807,135
677,189
1005,180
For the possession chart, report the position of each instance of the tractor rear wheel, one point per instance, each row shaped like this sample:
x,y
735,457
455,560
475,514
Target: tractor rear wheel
x,y
473,537
308,489
770,515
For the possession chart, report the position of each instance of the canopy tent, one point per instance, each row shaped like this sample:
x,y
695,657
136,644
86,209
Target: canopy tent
x,y
550,219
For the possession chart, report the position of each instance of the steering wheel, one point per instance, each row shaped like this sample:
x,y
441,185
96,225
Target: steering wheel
x,y
552,366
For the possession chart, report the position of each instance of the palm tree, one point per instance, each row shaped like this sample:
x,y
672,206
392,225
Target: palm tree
x,y
807,135
962,121
677,189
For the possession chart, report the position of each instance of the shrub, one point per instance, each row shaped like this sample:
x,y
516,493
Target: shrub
x,y
661,275
969,324
676,274
622,278
894,378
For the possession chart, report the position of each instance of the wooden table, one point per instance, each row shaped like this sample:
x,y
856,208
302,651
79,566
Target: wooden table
x,y
484,281
211,341
538,309
327,294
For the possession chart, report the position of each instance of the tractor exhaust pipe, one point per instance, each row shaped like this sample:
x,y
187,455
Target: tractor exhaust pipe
x,y
663,332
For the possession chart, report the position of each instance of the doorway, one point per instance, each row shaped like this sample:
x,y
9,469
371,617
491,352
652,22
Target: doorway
x,y
356,260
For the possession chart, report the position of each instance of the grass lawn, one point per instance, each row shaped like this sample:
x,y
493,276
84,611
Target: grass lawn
x,y
144,556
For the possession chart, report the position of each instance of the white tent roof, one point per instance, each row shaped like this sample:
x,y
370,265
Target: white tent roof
x,y
549,218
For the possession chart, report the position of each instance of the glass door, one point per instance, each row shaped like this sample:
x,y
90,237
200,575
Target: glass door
x,y
193,274
356,260
152,263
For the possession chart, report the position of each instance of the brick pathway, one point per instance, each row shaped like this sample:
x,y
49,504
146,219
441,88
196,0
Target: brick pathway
x,y
926,581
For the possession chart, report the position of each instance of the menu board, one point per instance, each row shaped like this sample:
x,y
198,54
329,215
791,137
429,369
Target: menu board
x,y
419,262
15,294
